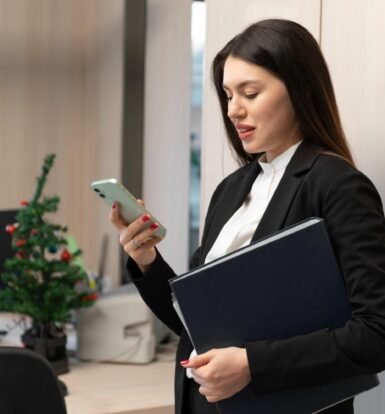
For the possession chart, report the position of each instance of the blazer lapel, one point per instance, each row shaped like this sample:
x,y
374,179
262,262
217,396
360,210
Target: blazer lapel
x,y
279,206
232,200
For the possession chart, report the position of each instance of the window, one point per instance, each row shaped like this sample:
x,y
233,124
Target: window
x,y
198,31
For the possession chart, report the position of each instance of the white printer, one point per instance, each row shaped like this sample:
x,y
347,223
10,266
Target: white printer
x,y
119,327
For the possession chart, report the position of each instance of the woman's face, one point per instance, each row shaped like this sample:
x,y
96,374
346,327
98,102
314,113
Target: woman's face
x,y
260,108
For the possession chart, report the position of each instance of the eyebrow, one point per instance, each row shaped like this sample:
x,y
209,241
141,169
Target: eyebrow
x,y
243,84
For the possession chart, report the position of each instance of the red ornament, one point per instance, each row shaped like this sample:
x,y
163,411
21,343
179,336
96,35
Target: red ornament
x,y
89,298
20,255
34,232
10,228
24,203
66,255
21,243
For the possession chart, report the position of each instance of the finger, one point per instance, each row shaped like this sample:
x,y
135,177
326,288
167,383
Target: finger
x,y
200,373
197,379
207,392
119,222
134,229
141,202
140,242
146,235
115,217
153,241
136,235
213,398
134,245
198,360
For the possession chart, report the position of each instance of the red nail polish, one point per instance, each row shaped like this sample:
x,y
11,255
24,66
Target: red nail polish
x,y
185,361
145,218
114,205
154,226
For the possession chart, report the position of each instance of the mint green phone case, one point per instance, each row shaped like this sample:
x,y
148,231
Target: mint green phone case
x,y
111,190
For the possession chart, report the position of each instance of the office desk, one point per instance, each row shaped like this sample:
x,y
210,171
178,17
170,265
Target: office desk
x,y
101,388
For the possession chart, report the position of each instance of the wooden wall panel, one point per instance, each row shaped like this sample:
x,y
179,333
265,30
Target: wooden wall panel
x,y
60,91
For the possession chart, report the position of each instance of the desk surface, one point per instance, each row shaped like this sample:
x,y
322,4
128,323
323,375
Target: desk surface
x,y
101,388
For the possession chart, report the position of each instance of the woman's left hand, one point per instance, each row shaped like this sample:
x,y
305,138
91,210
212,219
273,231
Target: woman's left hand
x,y
221,373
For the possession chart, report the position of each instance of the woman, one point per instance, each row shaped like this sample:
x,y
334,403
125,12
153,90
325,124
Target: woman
x,y
282,121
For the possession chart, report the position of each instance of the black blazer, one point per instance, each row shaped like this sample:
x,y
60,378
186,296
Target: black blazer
x,y
314,184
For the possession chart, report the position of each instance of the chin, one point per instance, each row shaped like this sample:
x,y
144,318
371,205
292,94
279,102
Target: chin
x,y
253,149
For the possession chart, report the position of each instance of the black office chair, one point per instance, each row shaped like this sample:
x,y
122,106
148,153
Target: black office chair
x,y
28,384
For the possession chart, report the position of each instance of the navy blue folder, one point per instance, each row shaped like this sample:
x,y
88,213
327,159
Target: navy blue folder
x,y
285,285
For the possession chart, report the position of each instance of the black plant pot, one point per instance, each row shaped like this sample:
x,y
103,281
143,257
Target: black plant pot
x,y
49,341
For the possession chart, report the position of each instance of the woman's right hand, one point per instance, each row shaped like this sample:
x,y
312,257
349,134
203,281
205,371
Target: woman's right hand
x,y
137,242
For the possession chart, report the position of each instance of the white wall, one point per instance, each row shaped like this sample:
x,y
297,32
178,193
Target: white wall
x,y
353,36
167,123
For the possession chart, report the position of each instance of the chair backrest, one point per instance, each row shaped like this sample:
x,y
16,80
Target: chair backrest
x,y
28,384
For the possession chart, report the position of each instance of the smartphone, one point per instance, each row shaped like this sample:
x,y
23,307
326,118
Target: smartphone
x,y
111,190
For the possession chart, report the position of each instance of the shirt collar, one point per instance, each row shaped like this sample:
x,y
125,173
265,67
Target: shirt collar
x,y
279,162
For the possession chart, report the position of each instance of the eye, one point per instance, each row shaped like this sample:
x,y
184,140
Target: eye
x,y
251,95
228,98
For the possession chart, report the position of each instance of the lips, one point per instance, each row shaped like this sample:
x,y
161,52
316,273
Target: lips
x,y
244,131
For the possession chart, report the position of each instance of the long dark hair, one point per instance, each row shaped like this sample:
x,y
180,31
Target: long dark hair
x,y
291,53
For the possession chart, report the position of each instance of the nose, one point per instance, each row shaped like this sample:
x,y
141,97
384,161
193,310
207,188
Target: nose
x,y
235,110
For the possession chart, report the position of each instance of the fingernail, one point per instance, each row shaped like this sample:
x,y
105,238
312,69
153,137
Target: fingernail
x,y
154,226
146,217
114,205
185,361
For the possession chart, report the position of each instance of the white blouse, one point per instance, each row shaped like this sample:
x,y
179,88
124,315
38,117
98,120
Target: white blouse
x,y
239,229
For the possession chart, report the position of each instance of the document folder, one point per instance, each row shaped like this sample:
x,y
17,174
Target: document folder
x,y
285,285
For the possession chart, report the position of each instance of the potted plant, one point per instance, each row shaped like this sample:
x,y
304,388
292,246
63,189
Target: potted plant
x,y
42,279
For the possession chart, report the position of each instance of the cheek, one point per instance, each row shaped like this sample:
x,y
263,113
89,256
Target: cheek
x,y
276,114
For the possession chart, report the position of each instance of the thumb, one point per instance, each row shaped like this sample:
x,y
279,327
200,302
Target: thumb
x,y
197,361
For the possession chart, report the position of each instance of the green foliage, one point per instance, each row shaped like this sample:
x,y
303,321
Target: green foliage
x,y
40,280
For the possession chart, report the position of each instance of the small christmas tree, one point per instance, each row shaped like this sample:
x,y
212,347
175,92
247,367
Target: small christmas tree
x,y
42,280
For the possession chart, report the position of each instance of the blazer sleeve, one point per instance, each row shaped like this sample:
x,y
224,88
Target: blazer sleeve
x,y
353,214
155,291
